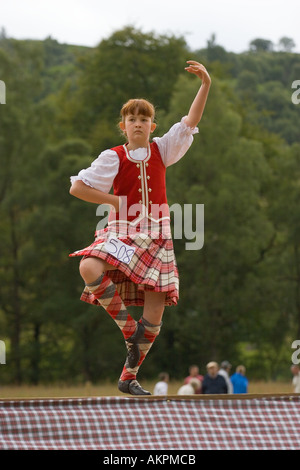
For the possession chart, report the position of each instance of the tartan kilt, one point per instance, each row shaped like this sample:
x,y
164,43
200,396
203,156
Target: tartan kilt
x,y
153,266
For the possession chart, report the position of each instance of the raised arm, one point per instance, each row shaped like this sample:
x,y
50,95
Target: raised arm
x,y
198,105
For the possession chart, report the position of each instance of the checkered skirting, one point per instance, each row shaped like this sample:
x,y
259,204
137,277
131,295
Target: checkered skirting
x,y
152,267
122,423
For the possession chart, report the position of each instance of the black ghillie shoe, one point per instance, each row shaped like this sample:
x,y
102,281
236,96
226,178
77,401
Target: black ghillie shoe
x,y
132,387
133,350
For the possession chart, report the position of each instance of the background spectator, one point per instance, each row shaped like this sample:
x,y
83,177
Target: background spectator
x,y
296,379
194,374
225,372
239,380
161,387
213,382
190,388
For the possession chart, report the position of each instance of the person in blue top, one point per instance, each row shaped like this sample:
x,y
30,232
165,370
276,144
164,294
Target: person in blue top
x,y
239,380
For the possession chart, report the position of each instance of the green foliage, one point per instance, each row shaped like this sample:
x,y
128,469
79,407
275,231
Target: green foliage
x,y
260,44
239,294
127,64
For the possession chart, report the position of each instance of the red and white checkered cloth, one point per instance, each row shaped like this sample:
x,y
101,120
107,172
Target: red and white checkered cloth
x,y
147,423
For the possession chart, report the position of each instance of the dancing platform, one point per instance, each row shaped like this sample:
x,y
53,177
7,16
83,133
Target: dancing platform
x,y
196,422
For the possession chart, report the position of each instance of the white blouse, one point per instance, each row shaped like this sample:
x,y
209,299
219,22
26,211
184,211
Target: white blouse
x,y
172,146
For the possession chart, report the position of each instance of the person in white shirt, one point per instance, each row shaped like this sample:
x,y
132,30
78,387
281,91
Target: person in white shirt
x,y
190,388
225,371
295,369
161,387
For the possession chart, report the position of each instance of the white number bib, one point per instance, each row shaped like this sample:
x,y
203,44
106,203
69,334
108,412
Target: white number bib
x,y
119,250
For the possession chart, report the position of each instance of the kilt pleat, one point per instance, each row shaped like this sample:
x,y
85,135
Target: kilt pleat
x,y
152,267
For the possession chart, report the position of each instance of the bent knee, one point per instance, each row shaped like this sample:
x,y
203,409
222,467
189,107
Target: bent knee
x,y
91,268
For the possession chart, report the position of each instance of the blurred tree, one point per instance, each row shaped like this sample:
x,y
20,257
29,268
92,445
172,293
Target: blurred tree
x,y
285,213
128,64
3,34
214,51
19,140
220,300
286,44
260,44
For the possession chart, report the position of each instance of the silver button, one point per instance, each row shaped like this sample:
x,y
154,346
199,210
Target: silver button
x,y
140,190
139,177
148,177
149,190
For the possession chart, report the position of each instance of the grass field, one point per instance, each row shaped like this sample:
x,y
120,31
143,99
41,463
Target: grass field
x,y
110,389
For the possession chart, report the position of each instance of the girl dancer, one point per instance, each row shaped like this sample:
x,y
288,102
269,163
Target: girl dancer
x,y
132,261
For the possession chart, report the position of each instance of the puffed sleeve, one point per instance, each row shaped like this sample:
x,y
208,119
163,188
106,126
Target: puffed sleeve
x,y
176,142
101,174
